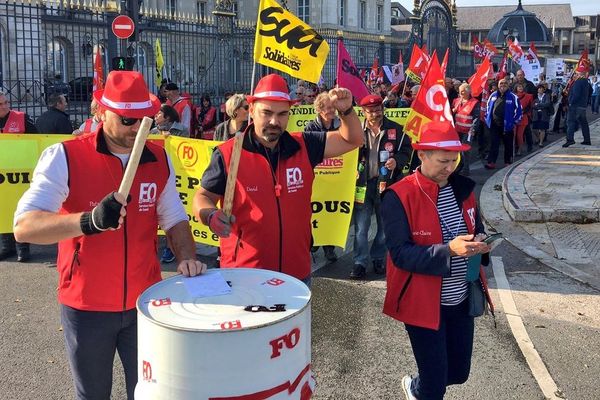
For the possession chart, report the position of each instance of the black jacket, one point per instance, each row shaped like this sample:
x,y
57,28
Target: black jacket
x,y
401,151
54,121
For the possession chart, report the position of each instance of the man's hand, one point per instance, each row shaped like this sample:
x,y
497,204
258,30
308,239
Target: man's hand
x,y
390,164
464,246
108,214
191,267
341,99
219,223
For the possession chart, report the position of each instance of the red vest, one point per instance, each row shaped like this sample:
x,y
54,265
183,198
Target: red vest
x,y
411,297
463,117
87,128
109,270
270,232
179,105
15,122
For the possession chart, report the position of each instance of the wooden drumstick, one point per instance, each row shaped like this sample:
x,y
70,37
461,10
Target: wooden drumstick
x,y
234,163
134,158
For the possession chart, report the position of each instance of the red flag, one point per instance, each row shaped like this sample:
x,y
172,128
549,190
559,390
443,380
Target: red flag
x,y
503,69
430,103
348,76
98,71
515,51
583,65
479,79
444,65
417,67
424,50
373,73
380,76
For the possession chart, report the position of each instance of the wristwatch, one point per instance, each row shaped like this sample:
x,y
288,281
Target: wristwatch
x,y
348,111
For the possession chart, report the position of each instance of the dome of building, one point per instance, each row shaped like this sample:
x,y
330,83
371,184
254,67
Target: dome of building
x,y
523,25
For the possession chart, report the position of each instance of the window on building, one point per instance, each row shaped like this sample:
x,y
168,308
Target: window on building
x,y
342,12
201,10
304,10
363,14
379,17
172,7
56,61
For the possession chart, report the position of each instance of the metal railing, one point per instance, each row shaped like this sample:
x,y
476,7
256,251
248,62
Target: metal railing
x,y
48,46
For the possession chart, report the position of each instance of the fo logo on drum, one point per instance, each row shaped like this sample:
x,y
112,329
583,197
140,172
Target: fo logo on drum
x,y
147,372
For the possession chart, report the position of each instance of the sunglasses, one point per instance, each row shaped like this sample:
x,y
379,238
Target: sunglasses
x,y
129,121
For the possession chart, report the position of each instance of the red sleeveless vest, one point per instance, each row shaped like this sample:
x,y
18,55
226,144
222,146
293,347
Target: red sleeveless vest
x,y
411,297
15,122
270,232
462,115
109,270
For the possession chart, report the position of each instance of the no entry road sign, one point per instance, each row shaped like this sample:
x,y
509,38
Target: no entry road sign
x,y
123,27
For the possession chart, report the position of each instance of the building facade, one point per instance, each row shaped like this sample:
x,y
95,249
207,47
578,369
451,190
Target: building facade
x,y
49,45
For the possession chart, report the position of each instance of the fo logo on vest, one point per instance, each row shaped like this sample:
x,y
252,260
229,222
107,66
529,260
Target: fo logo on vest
x,y
294,179
147,197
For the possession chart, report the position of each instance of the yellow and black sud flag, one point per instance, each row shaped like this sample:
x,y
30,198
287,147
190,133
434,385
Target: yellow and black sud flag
x,y
284,42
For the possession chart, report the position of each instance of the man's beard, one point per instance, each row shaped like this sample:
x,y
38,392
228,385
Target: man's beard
x,y
273,135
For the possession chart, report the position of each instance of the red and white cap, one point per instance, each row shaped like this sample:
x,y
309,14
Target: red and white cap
x,y
271,87
437,135
127,95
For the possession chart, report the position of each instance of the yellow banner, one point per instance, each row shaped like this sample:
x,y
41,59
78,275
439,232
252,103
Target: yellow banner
x,y
333,188
302,115
414,123
18,158
284,42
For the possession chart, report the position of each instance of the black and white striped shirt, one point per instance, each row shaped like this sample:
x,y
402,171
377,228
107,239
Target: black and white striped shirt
x,y
454,287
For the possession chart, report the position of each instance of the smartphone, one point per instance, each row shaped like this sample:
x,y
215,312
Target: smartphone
x,y
493,237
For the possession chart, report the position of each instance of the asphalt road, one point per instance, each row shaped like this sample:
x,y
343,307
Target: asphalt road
x,y
358,353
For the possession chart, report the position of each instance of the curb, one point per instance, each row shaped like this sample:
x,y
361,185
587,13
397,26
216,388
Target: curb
x,y
519,205
498,220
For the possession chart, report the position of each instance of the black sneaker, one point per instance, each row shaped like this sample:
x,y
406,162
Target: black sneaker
x,y
330,253
586,143
378,267
568,143
358,272
23,254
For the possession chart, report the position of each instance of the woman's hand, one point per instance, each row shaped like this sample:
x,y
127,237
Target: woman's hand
x,y
467,246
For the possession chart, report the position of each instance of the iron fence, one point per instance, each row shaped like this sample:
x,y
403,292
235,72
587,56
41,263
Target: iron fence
x,y
48,46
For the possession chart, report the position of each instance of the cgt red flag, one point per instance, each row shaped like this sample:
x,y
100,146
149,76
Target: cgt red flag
x,y
583,65
431,102
98,71
417,67
348,75
503,69
479,79
373,73
444,65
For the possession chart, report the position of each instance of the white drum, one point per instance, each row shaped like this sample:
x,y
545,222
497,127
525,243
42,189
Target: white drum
x,y
253,343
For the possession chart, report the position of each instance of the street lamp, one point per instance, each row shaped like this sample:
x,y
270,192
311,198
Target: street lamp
x,y
512,34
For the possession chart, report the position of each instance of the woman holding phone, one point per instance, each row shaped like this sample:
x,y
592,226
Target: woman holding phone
x,y
433,232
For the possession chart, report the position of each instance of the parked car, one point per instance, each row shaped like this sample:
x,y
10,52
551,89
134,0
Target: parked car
x,y
81,88
55,85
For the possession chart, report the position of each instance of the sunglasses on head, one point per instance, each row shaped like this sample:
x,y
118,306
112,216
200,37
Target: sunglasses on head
x,y
129,121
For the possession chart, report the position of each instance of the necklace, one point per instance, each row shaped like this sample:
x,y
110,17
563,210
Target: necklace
x,y
444,223
273,173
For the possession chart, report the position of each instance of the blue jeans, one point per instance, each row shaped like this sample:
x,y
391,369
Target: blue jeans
x,y
362,222
91,338
576,117
444,356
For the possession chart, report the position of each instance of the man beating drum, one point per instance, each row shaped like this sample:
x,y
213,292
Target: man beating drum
x,y
106,245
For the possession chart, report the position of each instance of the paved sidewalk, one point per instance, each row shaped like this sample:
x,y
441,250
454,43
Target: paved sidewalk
x,y
549,206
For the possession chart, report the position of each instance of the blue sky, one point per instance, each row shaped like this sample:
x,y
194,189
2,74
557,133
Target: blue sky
x,y
578,7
